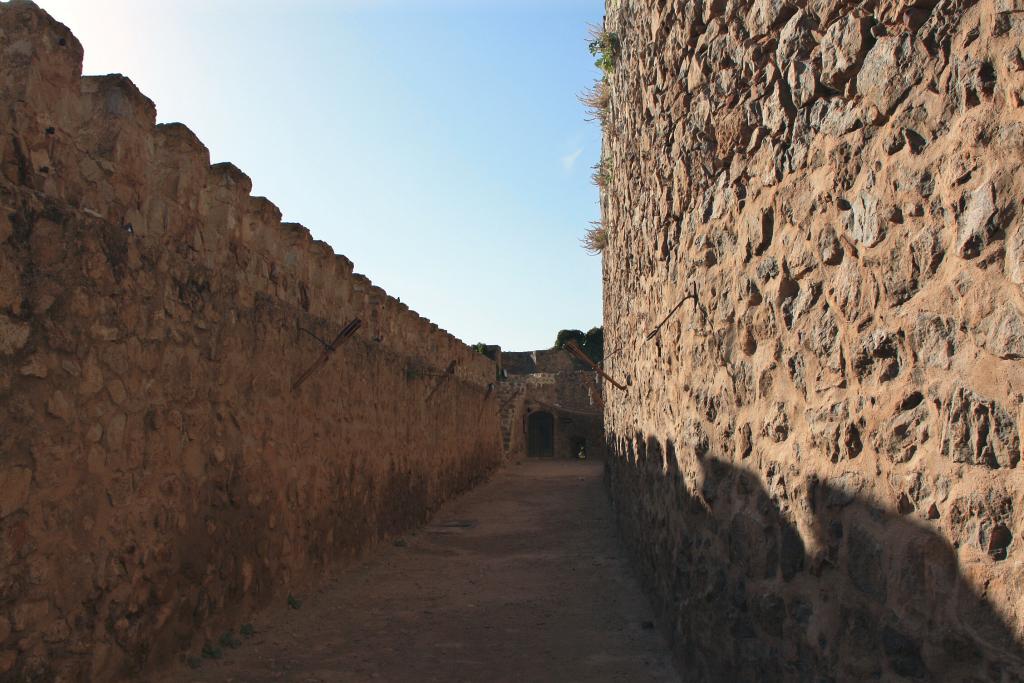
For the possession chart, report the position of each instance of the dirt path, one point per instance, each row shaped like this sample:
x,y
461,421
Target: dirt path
x,y
522,579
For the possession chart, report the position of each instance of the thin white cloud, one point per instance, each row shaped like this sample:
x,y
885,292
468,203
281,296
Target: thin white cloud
x,y
569,160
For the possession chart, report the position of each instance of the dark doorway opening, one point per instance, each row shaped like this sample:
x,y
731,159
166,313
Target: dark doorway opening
x,y
540,435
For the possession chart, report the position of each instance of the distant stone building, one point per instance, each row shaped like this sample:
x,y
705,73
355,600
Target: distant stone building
x,y
551,405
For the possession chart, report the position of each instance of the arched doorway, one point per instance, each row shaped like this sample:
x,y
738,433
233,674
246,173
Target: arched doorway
x,y
540,435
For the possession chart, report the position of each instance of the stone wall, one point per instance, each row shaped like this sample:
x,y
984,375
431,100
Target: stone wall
x,y
159,476
817,462
573,398
545,361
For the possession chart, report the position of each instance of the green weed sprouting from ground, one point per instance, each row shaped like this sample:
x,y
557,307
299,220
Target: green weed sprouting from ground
x,y
294,602
596,238
605,46
247,630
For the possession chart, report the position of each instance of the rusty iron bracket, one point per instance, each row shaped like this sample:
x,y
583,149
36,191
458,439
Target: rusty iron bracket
x,y
571,347
322,342
350,329
448,372
692,295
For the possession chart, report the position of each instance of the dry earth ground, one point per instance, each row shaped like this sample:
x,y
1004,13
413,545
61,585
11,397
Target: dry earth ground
x,y
522,579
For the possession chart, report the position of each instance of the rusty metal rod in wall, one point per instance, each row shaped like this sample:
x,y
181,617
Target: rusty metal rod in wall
x,y
346,332
448,372
576,351
692,295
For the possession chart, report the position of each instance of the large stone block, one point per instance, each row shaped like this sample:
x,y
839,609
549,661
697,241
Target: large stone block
x,y
978,431
889,70
843,48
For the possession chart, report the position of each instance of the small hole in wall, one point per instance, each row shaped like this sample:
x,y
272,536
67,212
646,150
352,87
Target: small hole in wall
x,y
51,130
748,344
912,401
987,77
844,205
62,42
965,178
999,542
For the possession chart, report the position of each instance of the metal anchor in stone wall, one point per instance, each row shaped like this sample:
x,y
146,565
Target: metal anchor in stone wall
x,y
449,371
576,351
346,332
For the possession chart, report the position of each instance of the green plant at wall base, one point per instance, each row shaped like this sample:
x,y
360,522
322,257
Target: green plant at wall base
x,y
605,46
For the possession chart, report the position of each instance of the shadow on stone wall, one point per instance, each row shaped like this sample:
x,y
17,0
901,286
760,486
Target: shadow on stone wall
x,y
856,593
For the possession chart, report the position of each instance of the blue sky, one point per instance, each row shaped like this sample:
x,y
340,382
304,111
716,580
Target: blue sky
x,y
438,144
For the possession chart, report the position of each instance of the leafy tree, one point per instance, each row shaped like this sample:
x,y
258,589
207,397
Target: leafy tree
x,y
591,343
565,336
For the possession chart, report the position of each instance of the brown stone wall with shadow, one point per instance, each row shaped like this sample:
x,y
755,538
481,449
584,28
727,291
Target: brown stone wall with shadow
x,y
160,478
817,461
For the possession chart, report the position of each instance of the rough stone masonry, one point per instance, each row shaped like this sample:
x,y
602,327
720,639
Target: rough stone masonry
x,y
817,463
159,478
